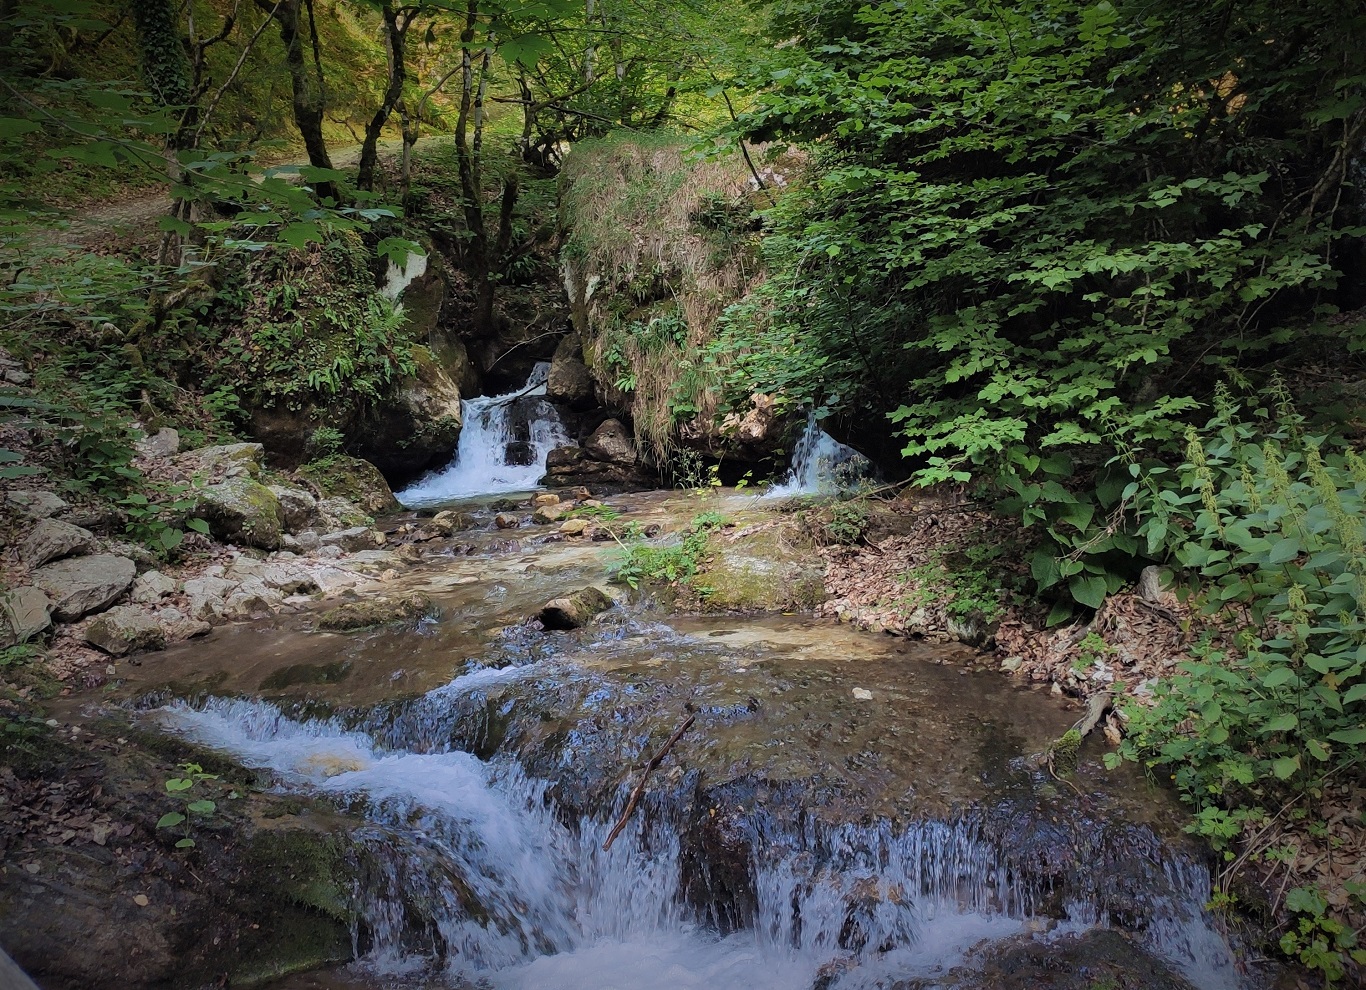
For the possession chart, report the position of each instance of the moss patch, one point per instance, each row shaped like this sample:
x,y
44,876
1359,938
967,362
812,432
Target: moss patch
x,y
762,569
375,612
352,479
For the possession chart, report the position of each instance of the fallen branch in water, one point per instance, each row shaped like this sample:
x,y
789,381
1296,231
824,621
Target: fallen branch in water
x,y
640,787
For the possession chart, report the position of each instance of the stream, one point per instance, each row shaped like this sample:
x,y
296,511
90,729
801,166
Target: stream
x,y
846,812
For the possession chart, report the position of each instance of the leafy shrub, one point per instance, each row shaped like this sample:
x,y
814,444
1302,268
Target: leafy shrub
x,y
637,563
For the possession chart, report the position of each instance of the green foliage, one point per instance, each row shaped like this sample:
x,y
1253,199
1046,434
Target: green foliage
x,y
1320,942
637,563
970,582
193,774
841,523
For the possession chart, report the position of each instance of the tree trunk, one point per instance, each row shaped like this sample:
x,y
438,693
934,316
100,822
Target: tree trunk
x,y
395,38
308,98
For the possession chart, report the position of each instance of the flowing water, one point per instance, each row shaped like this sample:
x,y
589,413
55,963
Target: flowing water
x,y
846,812
502,448
821,465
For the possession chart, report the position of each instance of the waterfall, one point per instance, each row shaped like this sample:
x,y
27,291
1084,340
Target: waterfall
x,y
503,446
469,866
821,465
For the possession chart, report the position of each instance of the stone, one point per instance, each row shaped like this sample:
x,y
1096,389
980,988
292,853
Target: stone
x,y
24,613
1150,584
36,504
574,610
152,586
972,630
179,627
230,460
307,540
574,527
299,506
547,514
570,382
329,552
506,520
353,479
241,510
125,630
1012,664
165,442
376,612
545,498
353,539
863,694
331,580
416,425
339,513
79,586
208,596
52,539
252,598
449,522
582,494
610,442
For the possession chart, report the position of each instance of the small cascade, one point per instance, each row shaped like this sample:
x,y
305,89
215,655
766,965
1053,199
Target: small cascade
x,y
470,867
821,465
503,446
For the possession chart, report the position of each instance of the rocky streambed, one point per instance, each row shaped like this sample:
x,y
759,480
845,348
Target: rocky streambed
x,y
425,791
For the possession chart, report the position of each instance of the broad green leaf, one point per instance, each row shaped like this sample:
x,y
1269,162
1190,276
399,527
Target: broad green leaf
x,y
170,819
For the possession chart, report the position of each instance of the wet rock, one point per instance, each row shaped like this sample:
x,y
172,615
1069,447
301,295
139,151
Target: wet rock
x,y
165,442
610,442
373,561
208,596
241,510
231,460
570,380
376,611
24,613
36,504
354,539
450,522
545,498
340,513
353,479
762,569
252,598
547,514
972,630
506,520
574,610
123,630
573,465
574,527
759,426
298,506
79,586
1098,958
152,586
52,539
416,426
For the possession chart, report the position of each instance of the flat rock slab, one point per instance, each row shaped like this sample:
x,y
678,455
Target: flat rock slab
x,y
52,539
23,615
125,630
79,586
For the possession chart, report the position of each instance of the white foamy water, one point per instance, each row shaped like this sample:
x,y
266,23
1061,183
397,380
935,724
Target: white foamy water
x,y
513,895
821,465
502,448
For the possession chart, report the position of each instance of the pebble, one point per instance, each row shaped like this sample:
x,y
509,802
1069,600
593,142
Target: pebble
x,y
863,694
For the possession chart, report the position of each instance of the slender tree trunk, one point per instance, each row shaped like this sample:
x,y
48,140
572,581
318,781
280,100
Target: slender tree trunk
x,y
308,98
395,36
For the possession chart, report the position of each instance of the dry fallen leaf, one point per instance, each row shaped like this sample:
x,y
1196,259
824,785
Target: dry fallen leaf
x,y
140,900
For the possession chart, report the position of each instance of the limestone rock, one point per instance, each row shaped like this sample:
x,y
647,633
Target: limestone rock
x,y
23,615
610,442
179,627
375,612
231,460
52,539
208,596
574,610
79,586
416,426
340,513
165,442
36,504
355,538
449,522
240,510
570,382
299,506
545,498
547,514
152,586
574,527
252,598
124,630
506,520
353,479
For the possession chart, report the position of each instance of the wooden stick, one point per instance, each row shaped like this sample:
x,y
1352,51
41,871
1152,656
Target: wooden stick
x,y
640,787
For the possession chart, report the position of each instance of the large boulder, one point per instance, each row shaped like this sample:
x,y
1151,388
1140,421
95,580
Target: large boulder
x,y
354,539
300,508
125,630
353,479
24,613
565,466
52,539
376,612
79,586
165,442
208,596
611,442
418,426
570,381
152,586
231,460
573,611
35,504
241,510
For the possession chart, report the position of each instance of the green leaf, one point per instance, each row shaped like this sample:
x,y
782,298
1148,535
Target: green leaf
x,y
1044,568
185,844
201,807
1281,723
13,127
1285,767
179,784
1285,550
198,525
1356,692
170,819
1278,677
1350,737
1087,589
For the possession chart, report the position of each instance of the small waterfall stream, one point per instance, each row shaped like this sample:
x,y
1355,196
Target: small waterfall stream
x,y
503,446
821,465
473,870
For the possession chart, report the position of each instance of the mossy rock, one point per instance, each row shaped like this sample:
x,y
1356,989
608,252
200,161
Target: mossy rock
x,y
771,569
375,612
353,479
